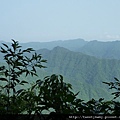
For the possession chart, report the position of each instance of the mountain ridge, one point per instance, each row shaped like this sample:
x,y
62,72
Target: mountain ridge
x,y
82,70
99,49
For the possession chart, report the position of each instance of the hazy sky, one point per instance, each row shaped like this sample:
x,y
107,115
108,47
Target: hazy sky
x,y
48,20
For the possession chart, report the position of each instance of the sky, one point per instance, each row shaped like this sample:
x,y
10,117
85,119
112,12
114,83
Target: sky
x,y
50,20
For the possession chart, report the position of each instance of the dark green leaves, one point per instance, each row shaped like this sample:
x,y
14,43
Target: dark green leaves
x,y
29,50
3,50
114,85
116,79
56,94
5,45
2,68
3,79
19,91
17,64
23,82
15,45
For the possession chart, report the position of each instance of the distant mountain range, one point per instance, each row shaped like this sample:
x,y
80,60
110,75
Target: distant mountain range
x,y
110,50
99,49
84,64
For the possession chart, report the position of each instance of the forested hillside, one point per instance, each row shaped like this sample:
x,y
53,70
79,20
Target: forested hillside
x,y
99,49
85,73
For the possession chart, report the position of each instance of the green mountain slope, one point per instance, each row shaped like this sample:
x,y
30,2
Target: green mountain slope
x,y
99,49
84,72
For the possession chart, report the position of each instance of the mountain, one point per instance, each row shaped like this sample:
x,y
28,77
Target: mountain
x,y
110,50
99,49
84,72
69,44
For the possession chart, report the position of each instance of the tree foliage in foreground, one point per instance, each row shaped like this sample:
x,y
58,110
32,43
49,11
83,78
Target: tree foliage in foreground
x,y
51,95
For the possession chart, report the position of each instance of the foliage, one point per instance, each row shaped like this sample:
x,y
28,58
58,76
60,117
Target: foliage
x,y
56,94
17,65
114,85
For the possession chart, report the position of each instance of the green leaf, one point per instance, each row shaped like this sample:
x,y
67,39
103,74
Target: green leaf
x,y
19,63
19,47
37,81
77,93
22,82
43,61
8,55
2,68
32,73
70,98
3,79
27,72
5,45
116,79
14,91
69,85
14,46
101,99
19,91
34,69
17,80
28,50
40,83
106,83
3,50
33,87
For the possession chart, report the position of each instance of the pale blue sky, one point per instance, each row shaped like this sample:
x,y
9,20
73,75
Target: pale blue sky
x,y
48,20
